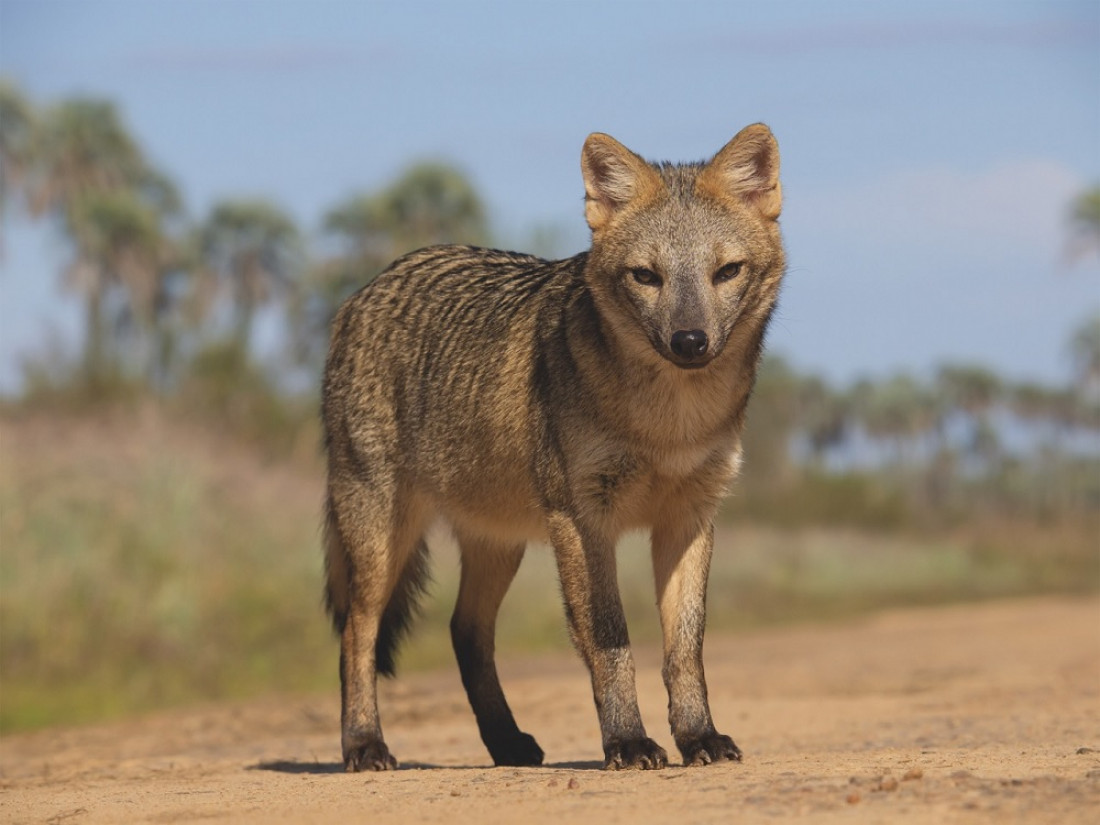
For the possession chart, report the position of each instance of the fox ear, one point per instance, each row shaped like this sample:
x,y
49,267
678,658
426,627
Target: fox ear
x,y
748,167
613,177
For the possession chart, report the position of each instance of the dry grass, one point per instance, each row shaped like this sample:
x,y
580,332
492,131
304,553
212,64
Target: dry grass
x,y
145,562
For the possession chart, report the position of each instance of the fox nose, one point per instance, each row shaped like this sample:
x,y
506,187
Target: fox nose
x,y
689,344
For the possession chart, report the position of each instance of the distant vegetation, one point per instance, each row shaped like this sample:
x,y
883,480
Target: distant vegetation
x,y
160,486
160,288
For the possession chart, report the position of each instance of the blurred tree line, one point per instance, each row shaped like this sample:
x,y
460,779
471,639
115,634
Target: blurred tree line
x,y
160,290
171,306
934,452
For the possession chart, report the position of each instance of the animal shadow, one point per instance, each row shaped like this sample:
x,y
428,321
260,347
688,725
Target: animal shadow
x,y
291,766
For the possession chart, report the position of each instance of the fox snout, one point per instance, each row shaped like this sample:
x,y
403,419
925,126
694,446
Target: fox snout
x,y
691,347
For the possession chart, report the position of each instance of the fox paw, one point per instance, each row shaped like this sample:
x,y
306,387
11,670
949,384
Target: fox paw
x,y
711,747
373,756
520,751
638,754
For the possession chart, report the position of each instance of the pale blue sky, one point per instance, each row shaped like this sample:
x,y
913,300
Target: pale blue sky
x,y
929,149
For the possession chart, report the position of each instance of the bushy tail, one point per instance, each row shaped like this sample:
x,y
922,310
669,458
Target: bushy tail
x,y
337,573
400,610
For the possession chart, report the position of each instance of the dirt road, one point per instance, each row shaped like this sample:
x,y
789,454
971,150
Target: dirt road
x,y
985,713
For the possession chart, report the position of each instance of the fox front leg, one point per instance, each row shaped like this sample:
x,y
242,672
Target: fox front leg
x,y
586,565
681,565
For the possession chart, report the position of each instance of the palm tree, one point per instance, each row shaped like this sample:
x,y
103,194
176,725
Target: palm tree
x,y
1084,347
429,203
971,392
83,147
824,414
92,177
899,410
970,388
433,203
770,424
122,244
254,251
17,140
1084,218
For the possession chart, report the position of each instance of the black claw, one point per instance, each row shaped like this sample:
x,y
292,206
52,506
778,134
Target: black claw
x,y
710,748
638,754
374,756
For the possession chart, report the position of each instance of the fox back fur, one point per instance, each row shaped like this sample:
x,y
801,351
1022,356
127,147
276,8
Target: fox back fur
x,y
565,401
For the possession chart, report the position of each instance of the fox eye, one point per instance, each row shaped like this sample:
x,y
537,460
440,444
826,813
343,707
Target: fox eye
x,y
728,272
646,277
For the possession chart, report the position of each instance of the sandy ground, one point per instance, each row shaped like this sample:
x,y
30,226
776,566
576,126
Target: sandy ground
x,y
985,713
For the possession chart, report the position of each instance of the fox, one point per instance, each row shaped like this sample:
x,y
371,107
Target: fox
x,y
564,402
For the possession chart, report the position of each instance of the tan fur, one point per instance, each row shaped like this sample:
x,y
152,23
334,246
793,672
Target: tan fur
x,y
559,400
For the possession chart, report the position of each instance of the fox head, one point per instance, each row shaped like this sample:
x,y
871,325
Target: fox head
x,y
684,258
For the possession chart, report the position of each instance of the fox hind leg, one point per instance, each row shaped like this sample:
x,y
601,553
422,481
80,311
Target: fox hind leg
x,y
487,572
382,551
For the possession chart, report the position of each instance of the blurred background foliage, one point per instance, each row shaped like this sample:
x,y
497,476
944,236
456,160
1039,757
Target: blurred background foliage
x,y
160,487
